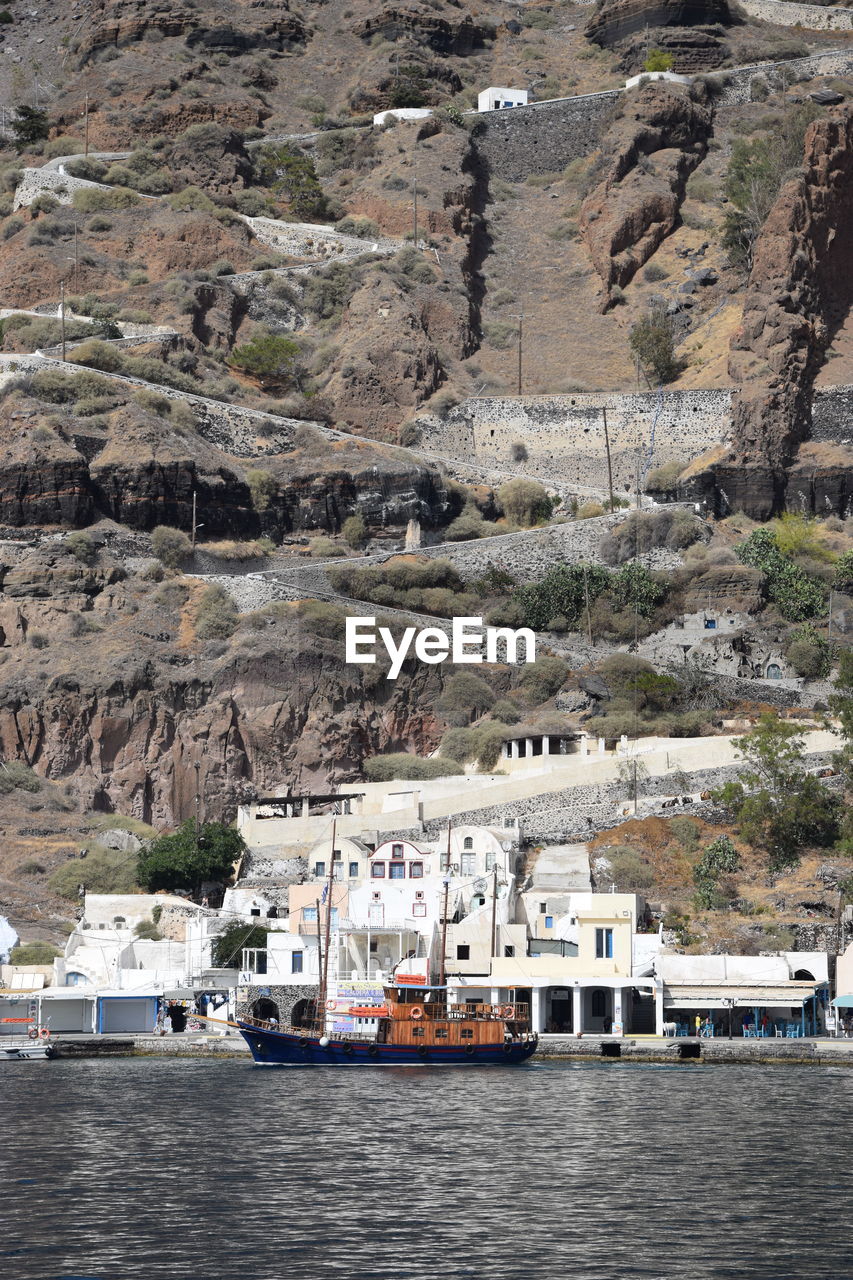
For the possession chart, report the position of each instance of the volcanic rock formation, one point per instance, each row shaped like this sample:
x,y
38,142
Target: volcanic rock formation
x,y
653,147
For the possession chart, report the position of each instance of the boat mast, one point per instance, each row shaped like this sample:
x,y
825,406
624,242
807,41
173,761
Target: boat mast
x,y
324,983
444,910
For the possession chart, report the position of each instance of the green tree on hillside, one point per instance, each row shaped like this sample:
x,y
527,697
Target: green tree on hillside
x,y
174,862
269,357
779,807
29,125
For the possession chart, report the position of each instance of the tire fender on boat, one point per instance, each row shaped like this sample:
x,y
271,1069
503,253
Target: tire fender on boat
x,y
469,1050
422,1051
304,1042
373,1052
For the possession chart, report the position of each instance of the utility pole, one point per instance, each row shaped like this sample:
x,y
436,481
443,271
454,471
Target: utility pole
x,y
86,127
609,459
197,767
192,540
415,206
493,950
520,318
76,257
441,970
62,314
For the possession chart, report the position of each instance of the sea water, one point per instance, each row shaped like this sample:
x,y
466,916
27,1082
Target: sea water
x,y
221,1170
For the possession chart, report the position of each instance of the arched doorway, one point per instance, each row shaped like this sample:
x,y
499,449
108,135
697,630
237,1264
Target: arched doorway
x,y
264,1009
302,1013
803,975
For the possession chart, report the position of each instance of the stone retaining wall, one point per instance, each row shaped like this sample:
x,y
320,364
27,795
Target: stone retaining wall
x,y
309,240
574,813
542,137
564,434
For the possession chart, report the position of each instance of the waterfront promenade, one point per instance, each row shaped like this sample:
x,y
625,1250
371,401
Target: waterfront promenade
x,y
817,1051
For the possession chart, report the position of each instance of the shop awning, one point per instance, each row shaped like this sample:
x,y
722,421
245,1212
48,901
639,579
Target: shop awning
x,y
693,995
843,1002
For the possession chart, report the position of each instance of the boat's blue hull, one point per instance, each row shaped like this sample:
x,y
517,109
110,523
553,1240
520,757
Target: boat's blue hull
x,y
283,1048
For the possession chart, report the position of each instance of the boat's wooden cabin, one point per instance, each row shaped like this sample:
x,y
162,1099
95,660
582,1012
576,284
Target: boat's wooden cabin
x,y
421,1016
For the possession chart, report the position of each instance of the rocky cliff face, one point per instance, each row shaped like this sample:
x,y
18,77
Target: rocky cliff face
x,y
799,290
689,30
140,470
117,700
652,148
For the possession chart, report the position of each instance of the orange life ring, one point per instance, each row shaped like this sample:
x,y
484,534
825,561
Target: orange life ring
x,y
509,1011
44,1034
417,1012
33,1033
331,1005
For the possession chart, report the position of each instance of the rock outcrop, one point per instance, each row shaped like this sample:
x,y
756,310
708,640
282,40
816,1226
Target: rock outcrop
x,y
692,31
799,290
137,468
652,148
118,702
124,22
442,35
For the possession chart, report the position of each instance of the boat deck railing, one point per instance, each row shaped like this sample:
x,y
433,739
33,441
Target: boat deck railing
x,y
476,1012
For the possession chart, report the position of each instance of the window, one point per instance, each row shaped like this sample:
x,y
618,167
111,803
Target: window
x,y
396,851
543,907
119,922
604,944
469,864
353,871
463,952
509,952
337,856
377,870
255,911
417,1031
419,909
334,920
598,1004
296,962
490,862
467,843
319,868
416,871
549,922
467,1033
337,871
441,1033
309,915
397,870
419,895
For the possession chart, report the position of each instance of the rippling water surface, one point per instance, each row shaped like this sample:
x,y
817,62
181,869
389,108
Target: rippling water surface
x,y
211,1170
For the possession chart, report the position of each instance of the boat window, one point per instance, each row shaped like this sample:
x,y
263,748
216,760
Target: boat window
x,y
441,1033
397,870
416,870
377,870
467,1033
417,1031
463,952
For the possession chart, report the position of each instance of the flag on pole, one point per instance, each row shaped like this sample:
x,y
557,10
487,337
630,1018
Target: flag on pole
x,y
325,895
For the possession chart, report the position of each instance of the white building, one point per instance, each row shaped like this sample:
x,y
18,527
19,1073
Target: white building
x,y
499,99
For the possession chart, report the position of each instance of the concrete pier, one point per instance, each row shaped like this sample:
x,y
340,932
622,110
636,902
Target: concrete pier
x,y
688,1049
